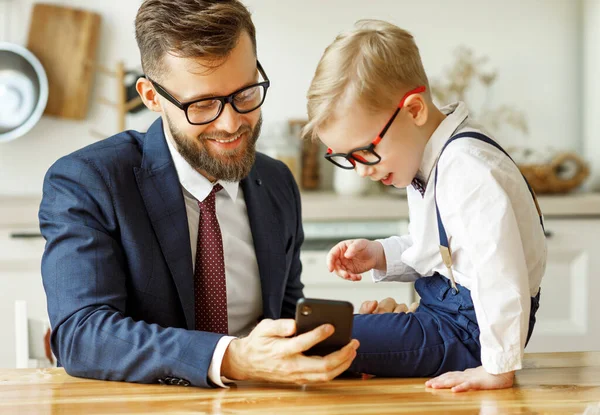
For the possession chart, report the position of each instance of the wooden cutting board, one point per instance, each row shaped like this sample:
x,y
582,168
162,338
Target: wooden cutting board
x,y
65,41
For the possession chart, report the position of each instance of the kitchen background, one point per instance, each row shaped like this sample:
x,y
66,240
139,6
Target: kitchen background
x,y
546,59
544,51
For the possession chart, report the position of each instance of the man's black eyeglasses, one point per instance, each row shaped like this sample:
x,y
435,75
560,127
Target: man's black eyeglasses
x,y
206,110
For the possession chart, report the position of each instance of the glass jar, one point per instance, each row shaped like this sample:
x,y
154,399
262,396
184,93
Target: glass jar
x,y
277,142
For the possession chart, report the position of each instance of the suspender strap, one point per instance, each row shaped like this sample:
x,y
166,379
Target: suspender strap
x,y
445,250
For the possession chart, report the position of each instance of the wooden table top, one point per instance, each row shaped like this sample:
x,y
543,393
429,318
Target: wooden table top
x,y
553,383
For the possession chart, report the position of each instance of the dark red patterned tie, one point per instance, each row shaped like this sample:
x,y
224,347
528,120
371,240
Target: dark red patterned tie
x,y
209,277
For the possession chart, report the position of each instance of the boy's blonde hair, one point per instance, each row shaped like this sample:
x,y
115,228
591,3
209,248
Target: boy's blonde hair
x,y
375,61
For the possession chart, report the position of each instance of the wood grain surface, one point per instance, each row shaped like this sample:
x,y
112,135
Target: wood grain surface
x,y
565,383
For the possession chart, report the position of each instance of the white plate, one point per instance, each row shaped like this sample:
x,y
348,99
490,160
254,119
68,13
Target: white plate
x,y
17,101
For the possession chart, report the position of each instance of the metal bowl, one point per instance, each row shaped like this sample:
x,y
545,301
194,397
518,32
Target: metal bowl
x,y
23,91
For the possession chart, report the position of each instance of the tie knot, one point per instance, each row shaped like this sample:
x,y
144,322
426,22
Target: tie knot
x,y
217,188
209,202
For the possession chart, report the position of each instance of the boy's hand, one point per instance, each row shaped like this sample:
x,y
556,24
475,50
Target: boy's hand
x,y
348,259
476,378
387,305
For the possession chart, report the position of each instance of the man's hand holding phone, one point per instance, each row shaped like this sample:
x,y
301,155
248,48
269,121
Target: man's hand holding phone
x,y
270,354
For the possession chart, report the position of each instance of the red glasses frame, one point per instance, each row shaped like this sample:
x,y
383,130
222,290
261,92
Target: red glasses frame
x,y
354,158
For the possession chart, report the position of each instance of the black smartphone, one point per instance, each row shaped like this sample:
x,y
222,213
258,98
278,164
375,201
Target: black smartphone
x,y
312,313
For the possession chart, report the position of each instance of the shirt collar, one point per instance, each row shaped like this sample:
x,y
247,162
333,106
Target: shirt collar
x,y
456,115
192,181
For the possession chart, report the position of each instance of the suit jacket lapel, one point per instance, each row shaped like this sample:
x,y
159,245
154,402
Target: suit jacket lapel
x,y
160,188
268,237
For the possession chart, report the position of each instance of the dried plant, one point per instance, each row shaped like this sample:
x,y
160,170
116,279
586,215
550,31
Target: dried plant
x,y
467,72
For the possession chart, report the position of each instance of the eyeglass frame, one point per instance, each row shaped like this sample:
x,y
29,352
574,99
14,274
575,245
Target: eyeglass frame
x,y
353,159
227,99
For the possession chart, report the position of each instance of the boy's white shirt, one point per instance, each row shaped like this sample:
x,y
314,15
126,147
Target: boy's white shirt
x,y
498,245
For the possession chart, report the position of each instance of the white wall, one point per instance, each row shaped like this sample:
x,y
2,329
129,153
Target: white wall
x,y
591,90
534,44
24,162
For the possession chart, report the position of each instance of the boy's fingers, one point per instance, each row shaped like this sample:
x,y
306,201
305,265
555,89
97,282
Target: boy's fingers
x,y
353,248
337,268
387,305
332,258
368,307
335,253
463,387
401,308
355,277
342,273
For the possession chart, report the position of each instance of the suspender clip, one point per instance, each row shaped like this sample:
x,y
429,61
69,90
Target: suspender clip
x,y
447,258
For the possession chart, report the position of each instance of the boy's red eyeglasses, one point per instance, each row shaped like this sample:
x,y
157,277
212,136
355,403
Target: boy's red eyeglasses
x,y
367,155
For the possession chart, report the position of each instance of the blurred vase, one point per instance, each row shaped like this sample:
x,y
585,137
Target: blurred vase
x,y
277,142
348,183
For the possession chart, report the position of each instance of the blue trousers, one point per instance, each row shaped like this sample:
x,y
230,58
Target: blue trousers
x,y
442,335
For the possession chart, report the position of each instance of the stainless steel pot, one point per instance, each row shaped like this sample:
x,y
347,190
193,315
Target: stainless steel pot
x,y
23,91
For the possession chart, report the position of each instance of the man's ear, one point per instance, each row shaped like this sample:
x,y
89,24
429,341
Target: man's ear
x,y
148,94
417,108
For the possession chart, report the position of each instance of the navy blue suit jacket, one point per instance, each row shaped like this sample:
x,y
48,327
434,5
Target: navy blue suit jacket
x,y
117,268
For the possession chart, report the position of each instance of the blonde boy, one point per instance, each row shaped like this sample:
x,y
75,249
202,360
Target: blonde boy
x,y
476,248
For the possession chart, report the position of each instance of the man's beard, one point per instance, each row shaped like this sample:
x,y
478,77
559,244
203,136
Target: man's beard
x,y
231,166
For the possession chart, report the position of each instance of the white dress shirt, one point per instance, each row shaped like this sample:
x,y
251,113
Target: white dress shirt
x,y
244,296
498,245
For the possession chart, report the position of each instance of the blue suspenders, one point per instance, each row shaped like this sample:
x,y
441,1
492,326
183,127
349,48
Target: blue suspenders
x,y
445,250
